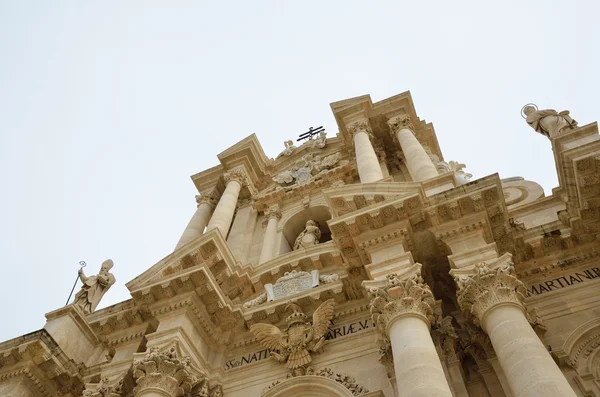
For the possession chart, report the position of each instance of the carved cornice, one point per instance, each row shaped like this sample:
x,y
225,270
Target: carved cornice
x,y
37,357
404,295
487,287
163,371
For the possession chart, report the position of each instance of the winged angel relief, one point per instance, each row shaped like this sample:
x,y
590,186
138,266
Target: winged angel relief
x,y
293,346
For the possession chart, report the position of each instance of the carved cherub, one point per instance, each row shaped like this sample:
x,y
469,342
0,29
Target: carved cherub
x,y
293,346
289,149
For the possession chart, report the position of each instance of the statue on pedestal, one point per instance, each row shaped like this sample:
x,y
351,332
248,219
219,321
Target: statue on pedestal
x,y
309,236
548,122
94,287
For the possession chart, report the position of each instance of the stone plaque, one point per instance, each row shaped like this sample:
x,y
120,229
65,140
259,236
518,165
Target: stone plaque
x,y
292,283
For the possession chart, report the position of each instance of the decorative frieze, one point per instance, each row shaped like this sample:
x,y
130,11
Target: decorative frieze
x,y
163,371
104,388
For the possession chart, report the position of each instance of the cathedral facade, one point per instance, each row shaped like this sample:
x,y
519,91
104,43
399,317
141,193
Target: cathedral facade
x,y
359,264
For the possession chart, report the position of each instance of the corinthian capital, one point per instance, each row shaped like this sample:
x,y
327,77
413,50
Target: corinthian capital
x,y
163,371
272,212
488,287
237,174
361,125
400,123
210,197
402,296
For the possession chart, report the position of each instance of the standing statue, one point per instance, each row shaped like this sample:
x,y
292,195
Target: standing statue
x,y
548,122
321,140
310,235
94,287
293,346
289,149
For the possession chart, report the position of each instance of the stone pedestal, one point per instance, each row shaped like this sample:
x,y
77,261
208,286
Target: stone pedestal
x,y
223,215
71,331
403,313
267,251
418,162
195,228
367,163
494,298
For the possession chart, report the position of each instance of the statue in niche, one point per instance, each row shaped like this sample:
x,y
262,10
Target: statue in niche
x,y
548,122
289,149
309,236
94,287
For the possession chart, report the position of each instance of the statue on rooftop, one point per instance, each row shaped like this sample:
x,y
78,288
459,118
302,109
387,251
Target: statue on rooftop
x,y
94,287
289,149
309,236
548,122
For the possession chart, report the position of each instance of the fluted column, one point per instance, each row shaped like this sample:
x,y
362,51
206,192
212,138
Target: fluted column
x,y
162,374
267,252
195,228
223,215
494,298
418,162
368,166
403,312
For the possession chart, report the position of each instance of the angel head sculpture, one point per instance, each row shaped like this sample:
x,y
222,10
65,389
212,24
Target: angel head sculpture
x,y
294,345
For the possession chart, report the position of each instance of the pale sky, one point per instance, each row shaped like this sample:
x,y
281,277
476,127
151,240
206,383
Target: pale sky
x,y
107,108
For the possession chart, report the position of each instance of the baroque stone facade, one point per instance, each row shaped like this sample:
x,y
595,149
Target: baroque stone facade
x,y
360,263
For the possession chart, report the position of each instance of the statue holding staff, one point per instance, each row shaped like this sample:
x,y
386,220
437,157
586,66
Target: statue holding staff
x,y
94,287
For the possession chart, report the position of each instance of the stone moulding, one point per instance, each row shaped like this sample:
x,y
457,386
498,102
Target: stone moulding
x,y
324,382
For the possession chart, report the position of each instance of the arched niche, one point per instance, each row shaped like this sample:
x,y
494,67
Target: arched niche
x,y
583,348
308,386
294,225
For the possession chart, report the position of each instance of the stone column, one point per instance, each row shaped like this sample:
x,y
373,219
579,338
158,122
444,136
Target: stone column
x,y
162,374
367,163
267,252
494,297
195,228
223,215
403,312
418,162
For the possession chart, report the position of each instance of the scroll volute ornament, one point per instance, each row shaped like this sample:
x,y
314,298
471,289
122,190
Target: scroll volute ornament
x,y
404,296
294,345
359,126
487,287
